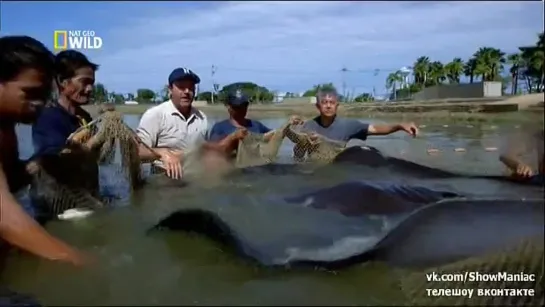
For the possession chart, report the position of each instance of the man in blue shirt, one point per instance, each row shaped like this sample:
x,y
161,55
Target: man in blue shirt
x,y
331,126
75,81
75,76
237,126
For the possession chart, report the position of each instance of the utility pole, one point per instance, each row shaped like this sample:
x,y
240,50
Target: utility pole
x,y
343,72
374,89
213,72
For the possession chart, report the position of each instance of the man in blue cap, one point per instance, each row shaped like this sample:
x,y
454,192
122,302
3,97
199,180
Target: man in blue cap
x,y
174,126
237,126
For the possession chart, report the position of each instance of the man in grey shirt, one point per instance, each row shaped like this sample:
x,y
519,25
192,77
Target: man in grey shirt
x,y
345,129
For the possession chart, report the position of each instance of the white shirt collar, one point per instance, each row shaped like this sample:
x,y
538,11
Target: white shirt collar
x,y
174,111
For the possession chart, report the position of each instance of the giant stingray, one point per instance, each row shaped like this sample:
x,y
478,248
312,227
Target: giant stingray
x,y
372,158
412,227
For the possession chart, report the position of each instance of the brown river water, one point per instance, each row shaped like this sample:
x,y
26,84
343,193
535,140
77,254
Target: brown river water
x,y
178,269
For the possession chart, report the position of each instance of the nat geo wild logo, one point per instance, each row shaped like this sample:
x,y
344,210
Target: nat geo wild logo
x,y
76,39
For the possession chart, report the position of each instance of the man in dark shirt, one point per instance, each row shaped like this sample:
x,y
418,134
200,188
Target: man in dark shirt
x,y
76,78
25,83
75,81
237,107
237,125
331,126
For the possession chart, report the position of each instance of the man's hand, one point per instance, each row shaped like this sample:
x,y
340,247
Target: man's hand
x,y
523,171
172,163
314,137
32,167
239,134
295,120
81,136
410,128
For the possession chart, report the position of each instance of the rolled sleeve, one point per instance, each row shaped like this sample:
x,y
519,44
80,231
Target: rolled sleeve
x,y
148,128
358,130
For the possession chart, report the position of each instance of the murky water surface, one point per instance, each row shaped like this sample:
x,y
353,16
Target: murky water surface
x,y
179,269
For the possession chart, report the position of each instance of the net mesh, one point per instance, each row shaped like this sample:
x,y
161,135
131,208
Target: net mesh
x,y
256,150
72,179
525,259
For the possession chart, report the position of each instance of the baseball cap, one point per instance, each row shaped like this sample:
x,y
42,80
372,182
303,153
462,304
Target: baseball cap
x,y
183,73
237,99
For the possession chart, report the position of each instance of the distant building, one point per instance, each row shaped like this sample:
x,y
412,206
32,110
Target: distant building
x,y
131,102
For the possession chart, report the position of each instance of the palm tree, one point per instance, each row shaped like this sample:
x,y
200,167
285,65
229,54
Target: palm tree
x,y
436,74
515,60
454,70
420,70
469,69
392,81
489,63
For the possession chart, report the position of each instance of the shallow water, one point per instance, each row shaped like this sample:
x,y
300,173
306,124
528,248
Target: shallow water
x,y
175,269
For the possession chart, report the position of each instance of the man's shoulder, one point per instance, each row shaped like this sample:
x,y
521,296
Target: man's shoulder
x,y
200,114
311,123
348,122
257,123
222,124
156,110
49,114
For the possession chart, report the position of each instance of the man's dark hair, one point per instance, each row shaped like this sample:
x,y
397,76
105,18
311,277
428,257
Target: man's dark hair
x,y
18,53
68,61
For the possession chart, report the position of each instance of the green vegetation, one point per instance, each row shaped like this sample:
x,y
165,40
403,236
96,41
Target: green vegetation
x,y
525,74
487,64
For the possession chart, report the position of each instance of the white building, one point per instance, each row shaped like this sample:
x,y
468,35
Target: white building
x,y
131,102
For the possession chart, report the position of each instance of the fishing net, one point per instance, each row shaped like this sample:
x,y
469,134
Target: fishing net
x,y
101,153
510,278
255,150
310,147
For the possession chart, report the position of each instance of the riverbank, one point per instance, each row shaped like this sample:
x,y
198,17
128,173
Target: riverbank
x,y
452,108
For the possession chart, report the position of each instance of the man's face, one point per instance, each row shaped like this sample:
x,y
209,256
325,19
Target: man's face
x,y
23,97
238,112
182,92
79,88
328,105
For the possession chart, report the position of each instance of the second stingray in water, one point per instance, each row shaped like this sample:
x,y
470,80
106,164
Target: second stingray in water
x,y
420,235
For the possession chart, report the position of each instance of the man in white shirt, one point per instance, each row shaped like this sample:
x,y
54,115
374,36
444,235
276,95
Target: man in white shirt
x,y
174,126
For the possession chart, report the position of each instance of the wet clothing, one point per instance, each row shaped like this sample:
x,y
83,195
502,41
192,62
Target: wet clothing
x,y
49,135
222,129
342,129
54,126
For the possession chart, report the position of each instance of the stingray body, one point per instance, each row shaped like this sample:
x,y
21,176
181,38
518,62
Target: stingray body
x,y
453,230
371,157
360,198
414,234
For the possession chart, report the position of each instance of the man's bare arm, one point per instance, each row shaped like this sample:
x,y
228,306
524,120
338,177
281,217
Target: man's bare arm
x,y
384,129
19,229
226,145
511,162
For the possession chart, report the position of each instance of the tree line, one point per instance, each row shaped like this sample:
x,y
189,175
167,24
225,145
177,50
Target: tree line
x,y
526,68
255,92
